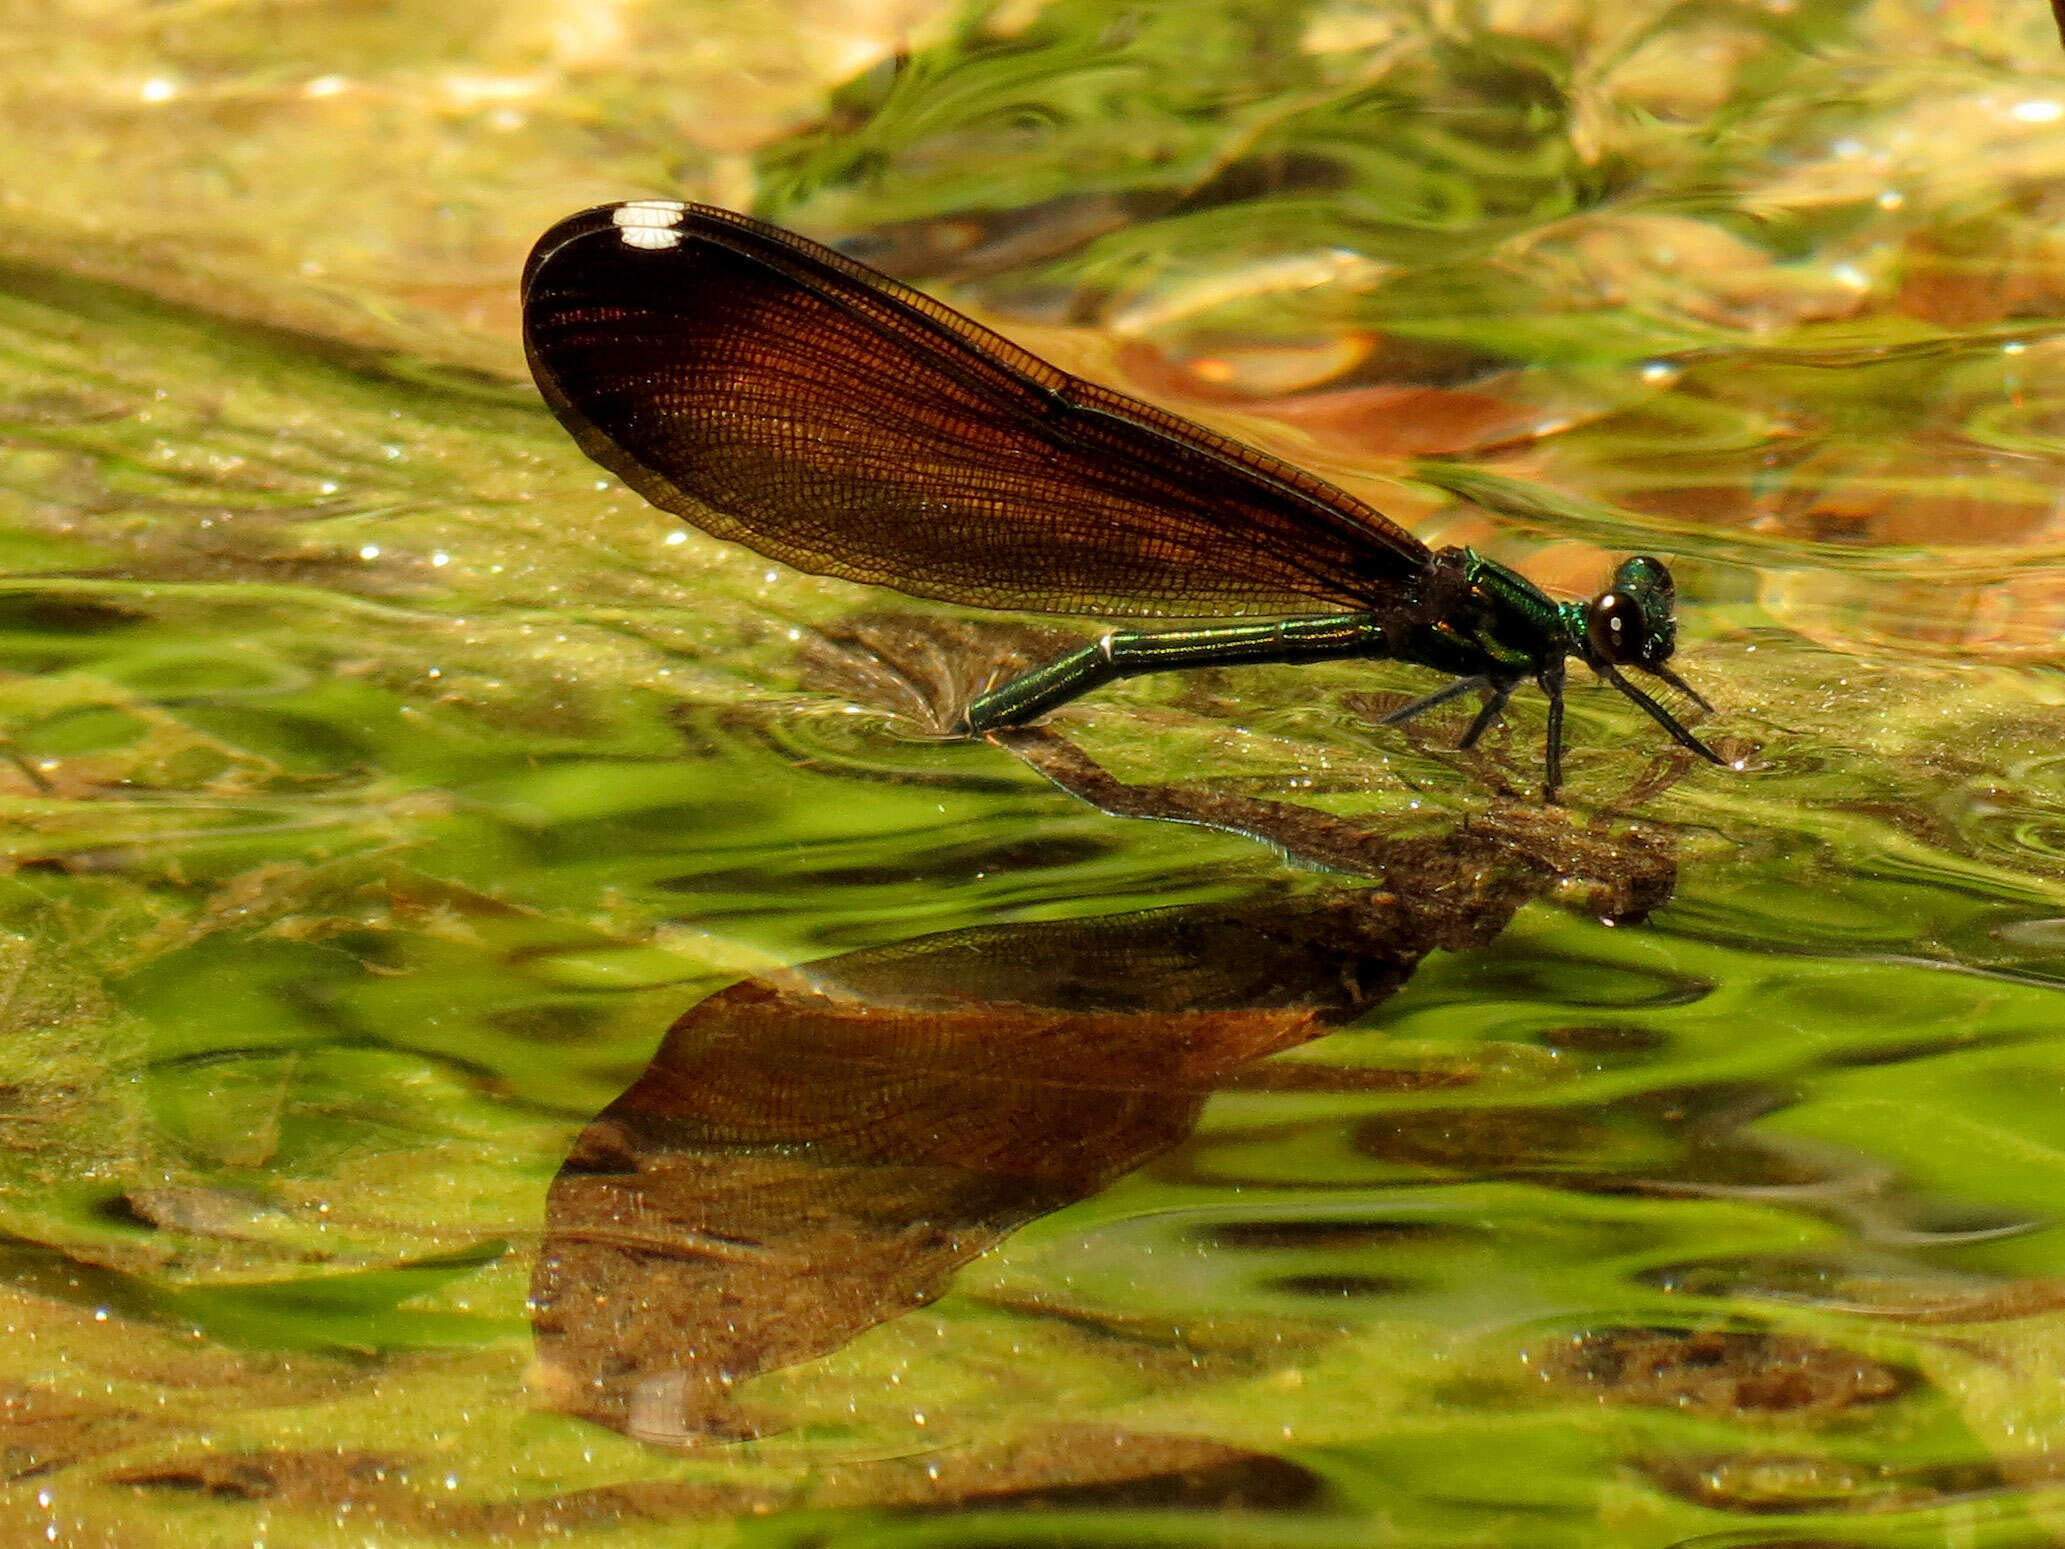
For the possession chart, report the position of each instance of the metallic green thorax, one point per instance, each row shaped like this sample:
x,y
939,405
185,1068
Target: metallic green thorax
x,y
1477,618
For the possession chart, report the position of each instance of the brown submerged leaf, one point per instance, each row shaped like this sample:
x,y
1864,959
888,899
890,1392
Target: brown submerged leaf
x,y
1719,1372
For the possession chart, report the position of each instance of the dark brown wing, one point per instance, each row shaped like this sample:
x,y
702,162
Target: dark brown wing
x,y
787,398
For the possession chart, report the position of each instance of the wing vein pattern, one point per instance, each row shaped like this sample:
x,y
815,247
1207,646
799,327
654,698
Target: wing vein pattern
x,y
782,396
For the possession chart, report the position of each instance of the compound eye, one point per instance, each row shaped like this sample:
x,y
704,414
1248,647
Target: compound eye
x,y
1617,629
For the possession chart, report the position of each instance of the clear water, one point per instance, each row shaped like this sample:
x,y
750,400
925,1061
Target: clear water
x,y
382,785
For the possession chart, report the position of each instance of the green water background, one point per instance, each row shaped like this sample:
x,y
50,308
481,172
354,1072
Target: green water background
x,y
381,781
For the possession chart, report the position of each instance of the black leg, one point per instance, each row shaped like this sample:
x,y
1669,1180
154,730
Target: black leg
x,y
1552,686
1680,685
1440,696
1657,713
1494,707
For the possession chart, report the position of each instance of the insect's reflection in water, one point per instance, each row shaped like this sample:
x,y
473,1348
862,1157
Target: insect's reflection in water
x,y
815,1151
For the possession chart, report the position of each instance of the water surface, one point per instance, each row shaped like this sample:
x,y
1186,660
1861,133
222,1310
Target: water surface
x,y
383,784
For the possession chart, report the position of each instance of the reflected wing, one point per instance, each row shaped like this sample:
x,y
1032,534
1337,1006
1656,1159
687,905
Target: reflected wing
x,y
781,396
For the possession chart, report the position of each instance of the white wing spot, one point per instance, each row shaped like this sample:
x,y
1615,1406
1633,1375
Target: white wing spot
x,y
649,223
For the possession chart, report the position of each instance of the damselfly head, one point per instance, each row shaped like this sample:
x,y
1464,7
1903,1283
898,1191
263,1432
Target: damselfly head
x,y
1630,624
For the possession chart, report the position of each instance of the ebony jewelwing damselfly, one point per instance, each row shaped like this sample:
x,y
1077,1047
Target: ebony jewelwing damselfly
x,y
780,395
